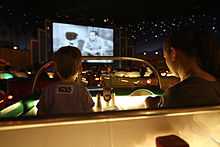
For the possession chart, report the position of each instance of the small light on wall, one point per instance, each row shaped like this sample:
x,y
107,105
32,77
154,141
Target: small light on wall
x,y
149,81
163,74
106,20
50,75
1,101
15,47
10,97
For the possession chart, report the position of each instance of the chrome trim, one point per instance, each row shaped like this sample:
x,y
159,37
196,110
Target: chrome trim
x,y
103,117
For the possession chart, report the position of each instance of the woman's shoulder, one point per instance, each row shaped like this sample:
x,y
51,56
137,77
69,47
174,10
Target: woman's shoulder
x,y
189,83
182,88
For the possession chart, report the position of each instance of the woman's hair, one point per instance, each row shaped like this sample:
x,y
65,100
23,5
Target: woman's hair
x,y
67,61
202,45
185,41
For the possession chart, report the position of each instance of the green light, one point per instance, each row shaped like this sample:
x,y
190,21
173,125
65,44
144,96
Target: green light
x,y
31,103
6,76
12,111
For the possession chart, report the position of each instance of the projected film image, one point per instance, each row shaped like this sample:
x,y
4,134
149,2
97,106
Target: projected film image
x,y
92,41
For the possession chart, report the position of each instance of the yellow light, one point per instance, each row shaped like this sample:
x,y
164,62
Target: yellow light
x,y
15,47
107,78
130,102
50,75
1,101
163,74
132,74
126,81
97,79
29,72
170,75
10,97
125,102
136,82
149,81
84,80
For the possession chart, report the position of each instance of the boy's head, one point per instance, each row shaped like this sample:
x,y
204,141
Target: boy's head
x,y
68,61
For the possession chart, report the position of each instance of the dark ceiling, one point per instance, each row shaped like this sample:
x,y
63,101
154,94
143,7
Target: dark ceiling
x,y
125,7
124,10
